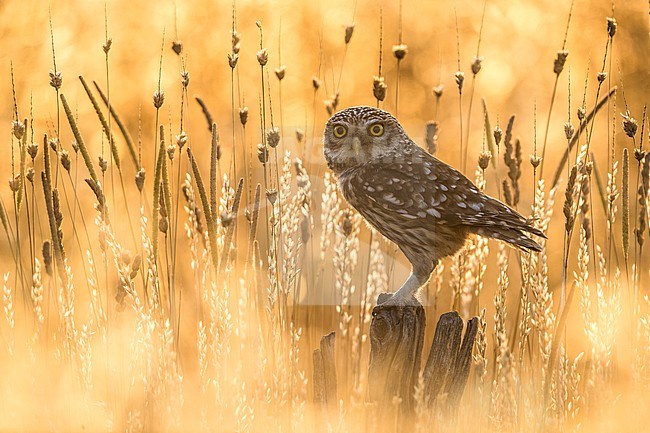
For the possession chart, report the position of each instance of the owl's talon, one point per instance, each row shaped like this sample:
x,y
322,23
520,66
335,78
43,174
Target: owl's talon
x,y
395,300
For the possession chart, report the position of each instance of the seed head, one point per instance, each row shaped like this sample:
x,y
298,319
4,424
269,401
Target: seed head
x,y
379,88
18,129
507,192
32,150
438,90
629,124
484,160
586,227
47,256
181,140
329,106
300,135
262,153
14,183
236,37
535,160
335,98
263,57
279,72
582,113
54,144
560,60
56,79
273,137
232,59
158,98
171,150
639,154
163,224
476,65
346,225
106,46
569,200
460,79
30,174
177,47
226,218
498,133
185,79
568,130
135,265
400,51
243,115
65,160
125,257
139,179
601,76
315,82
75,146
272,195
349,29
103,164
611,26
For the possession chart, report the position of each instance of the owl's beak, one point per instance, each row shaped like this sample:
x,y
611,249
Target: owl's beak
x,y
356,145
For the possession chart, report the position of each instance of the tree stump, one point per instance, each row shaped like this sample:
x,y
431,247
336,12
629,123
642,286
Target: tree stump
x,y
396,340
325,373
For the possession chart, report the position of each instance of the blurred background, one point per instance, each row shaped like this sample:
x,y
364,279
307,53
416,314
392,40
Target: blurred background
x,y
516,40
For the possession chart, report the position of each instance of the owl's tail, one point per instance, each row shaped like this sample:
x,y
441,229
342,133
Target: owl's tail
x,y
515,236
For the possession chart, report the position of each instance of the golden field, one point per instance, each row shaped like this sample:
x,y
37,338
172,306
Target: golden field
x,y
154,308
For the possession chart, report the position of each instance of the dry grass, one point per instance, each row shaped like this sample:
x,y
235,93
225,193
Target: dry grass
x,y
184,286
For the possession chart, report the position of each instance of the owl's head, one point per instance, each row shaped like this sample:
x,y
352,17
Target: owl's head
x,y
357,135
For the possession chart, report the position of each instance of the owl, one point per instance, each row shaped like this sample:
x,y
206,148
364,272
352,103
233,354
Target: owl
x,y
424,206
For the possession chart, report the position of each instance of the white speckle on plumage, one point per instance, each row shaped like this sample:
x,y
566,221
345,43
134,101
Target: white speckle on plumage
x,y
476,206
391,198
434,213
444,187
462,205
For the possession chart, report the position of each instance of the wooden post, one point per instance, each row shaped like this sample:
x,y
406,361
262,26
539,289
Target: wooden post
x,y
396,339
449,359
325,373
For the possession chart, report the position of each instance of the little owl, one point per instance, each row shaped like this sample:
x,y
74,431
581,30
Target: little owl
x,y
418,202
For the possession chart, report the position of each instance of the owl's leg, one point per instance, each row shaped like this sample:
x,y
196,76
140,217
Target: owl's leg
x,y
418,278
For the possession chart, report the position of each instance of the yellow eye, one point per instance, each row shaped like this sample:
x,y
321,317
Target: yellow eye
x,y
340,131
376,129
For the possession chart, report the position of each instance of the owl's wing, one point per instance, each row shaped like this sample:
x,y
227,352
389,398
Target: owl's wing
x,y
419,186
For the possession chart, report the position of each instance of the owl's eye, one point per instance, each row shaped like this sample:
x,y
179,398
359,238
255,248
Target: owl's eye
x,y
340,131
376,129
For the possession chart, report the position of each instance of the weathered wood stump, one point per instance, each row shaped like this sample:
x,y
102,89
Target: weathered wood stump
x,y
325,373
450,359
396,339
396,342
